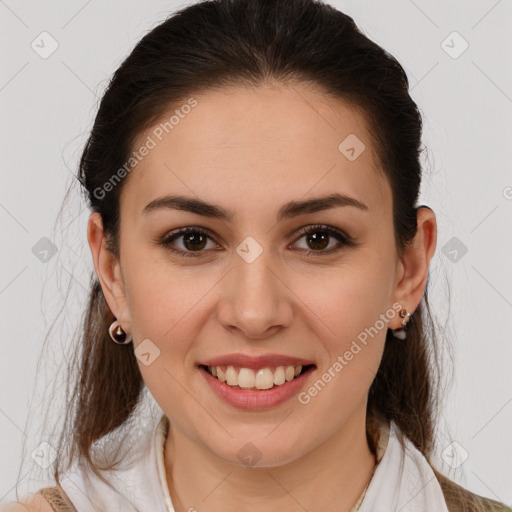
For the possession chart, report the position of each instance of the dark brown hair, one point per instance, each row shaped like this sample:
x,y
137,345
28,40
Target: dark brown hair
x,y
248,43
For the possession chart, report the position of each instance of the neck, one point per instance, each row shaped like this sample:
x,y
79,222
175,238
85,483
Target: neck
x,y
329,478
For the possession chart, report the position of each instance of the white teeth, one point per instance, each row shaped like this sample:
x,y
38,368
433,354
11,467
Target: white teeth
x,y
264,379
279,377
289,373
231,376
246,378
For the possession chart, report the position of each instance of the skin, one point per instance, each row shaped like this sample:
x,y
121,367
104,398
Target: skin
x,y
250,151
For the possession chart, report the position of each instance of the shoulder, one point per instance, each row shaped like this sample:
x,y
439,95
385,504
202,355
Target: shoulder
x,y
33,503
460,499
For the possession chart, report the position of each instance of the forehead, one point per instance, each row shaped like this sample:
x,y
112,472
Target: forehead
x,y
250,146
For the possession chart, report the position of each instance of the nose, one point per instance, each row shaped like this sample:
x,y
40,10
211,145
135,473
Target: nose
x,y
255,299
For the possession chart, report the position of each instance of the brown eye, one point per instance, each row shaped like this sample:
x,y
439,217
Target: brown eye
x,y
318,238
194,241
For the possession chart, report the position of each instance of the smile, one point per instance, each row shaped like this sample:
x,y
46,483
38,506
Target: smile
x,y
252,397
256,379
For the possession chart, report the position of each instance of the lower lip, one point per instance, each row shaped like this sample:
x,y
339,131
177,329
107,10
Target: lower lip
x,y
256,400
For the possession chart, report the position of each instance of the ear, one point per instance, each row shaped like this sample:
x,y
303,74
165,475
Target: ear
x,y
413,265
108,270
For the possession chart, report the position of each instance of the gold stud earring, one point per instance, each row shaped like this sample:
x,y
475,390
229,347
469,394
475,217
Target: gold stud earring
x,y
118,334
401,333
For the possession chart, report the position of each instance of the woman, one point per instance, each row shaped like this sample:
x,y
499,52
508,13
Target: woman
x,y
262,263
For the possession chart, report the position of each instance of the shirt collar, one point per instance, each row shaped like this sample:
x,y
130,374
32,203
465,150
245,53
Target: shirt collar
x,y
403,479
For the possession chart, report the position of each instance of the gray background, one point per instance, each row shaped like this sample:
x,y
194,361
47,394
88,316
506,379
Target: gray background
x,y
48,104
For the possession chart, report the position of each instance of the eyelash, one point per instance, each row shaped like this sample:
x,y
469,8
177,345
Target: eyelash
x,y
345,240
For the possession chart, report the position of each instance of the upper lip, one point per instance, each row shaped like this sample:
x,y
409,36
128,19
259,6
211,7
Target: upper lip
x,y
256,362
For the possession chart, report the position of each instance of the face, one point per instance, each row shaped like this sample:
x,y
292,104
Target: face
x,y
313,285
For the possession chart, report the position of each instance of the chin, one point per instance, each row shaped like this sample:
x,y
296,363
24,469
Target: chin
x,y
260,453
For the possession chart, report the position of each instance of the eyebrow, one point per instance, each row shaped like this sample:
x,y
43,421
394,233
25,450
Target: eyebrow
x,y
287,211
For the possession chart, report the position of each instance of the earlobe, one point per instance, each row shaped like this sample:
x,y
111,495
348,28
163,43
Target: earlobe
x,y
107,269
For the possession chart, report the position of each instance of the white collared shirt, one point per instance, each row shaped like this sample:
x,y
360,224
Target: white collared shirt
x,y
403,481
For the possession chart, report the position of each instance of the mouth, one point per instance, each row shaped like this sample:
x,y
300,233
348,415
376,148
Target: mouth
x,y
256,379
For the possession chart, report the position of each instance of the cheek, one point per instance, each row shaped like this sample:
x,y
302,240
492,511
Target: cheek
x,y
354,344
158,293
160,327
349,310
349,297
163,334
